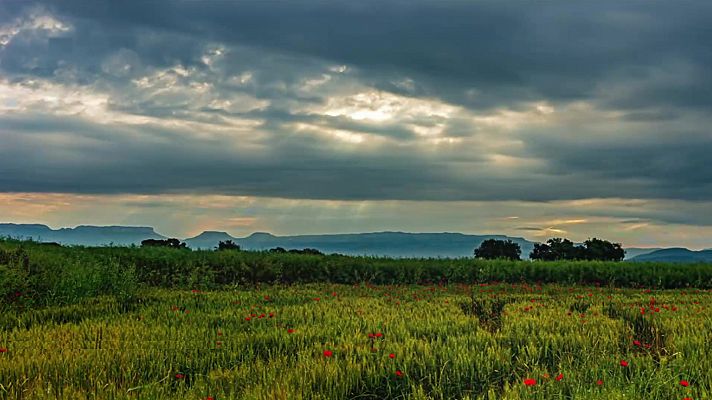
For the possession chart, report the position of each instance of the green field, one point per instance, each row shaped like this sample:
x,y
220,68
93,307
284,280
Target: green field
x,y
89,324
269,343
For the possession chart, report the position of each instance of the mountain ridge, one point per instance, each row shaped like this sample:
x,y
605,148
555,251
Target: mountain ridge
x,y
380,243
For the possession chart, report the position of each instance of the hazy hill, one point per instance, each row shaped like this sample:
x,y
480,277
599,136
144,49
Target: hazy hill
x,y
81,235
677,254
208,240
631,252
391,244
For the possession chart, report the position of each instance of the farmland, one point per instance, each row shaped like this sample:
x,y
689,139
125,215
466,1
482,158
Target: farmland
x,y
143,324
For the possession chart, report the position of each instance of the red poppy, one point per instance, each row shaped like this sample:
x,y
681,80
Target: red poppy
x,y
599,382
317,298
687,398
328,353
624,363
290,330
684,383
530,382
399,373
247,318
391,355
209,398
371,336
559,377
636,342
3,349
180,376
379,334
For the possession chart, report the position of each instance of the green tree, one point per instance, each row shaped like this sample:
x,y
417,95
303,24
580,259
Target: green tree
x,y
172,243
227,245
493,248
603,250
557,249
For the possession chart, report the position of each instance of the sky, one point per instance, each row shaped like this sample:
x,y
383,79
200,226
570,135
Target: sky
x,y
531,119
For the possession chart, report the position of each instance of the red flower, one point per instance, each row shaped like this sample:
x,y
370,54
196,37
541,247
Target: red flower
x,y
636,342
3,349
379,334
247,318
328,353
687,398
391,355
209,398
624,363
599,382
180,376
399,373
290,330
559,377
684,383
317,298
530,382
371,336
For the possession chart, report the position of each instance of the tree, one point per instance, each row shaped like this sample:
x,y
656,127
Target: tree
x,y
556,249
493,249
542,251
306,251
564,249
172,243
603,250
227,245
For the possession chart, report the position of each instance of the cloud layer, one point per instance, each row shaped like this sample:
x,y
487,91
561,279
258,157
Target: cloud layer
x,y
424,101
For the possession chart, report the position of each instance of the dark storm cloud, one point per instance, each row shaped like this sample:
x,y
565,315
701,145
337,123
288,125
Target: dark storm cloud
x,y
648,62
507,52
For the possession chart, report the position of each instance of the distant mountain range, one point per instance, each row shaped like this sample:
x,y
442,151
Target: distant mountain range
x,y
85,235
389,244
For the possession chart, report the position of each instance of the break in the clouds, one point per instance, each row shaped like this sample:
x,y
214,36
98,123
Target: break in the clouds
x,y
422,104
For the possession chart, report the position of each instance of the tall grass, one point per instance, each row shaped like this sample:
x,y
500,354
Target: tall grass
x,y
270,343
50,275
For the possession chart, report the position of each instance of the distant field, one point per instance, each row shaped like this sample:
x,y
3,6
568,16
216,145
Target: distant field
x,y
367,342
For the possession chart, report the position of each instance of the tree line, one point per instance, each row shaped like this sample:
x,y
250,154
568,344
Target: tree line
x,y
554,249
222,246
